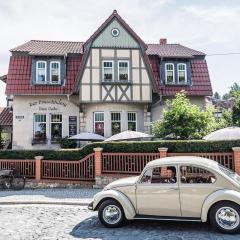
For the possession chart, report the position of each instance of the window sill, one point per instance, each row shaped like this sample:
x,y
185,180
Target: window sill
x,y
177,84
116,83
35,141
47,84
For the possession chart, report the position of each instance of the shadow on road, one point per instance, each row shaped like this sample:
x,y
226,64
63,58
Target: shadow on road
x,y
92,228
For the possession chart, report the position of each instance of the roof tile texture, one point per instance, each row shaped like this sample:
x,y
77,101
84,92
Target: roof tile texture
x,y
38,47
19,77
201,85
6,117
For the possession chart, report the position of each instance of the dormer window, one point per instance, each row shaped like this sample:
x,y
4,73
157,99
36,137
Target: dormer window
x,y
123,71
55,72
182,73
41,72
169,73
107,74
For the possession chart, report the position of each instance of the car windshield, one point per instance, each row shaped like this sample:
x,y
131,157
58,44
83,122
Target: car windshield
x,y
229,173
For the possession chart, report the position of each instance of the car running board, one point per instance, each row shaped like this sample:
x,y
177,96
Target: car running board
x,y
152,217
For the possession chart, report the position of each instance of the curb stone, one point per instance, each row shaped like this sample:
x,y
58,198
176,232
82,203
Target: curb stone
x,y
45,202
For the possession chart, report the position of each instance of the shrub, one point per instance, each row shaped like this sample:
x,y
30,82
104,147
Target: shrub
x,y
178,146
67,143
183,120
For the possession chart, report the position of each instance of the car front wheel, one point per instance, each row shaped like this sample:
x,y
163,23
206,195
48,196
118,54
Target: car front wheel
x,y
225,217
111,214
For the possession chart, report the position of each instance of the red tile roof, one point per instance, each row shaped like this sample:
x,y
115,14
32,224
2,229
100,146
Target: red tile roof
x,y
19,74
201,84
6,117
172,50
19,77
49,48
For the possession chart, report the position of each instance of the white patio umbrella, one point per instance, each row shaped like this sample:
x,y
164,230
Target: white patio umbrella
x,y
229,133
128,135
87,136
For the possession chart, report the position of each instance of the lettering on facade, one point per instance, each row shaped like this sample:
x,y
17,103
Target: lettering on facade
x,y
47,109
51,102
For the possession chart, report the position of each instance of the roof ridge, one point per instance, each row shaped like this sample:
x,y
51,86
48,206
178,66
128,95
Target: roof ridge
x,y
35,40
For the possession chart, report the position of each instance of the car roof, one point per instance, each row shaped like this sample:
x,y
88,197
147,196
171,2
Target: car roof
x,y
184,160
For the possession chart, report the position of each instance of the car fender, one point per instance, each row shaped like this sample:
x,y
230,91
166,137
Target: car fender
x,y
219,195
126,204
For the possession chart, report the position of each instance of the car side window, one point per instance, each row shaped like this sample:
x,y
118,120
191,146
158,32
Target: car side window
x,y
196,175
164,174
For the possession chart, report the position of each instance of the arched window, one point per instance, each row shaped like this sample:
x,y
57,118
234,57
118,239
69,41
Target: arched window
x,y
182,73
169,73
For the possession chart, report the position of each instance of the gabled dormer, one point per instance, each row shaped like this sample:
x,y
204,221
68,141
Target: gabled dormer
x,y
176,68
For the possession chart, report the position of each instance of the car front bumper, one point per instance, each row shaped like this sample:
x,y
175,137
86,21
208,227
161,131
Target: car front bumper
x,y
90,206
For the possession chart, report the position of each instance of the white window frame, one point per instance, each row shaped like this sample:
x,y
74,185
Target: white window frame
x,y
128,70
168,71
50,122
34,123
94,121
103,80
37,69
185,71
59,72
136,121
112,121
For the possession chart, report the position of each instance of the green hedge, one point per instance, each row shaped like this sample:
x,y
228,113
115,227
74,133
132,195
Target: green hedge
x,y
151,146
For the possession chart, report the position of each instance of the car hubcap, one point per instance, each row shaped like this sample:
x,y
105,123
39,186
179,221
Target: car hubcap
x,y
111,214
227,218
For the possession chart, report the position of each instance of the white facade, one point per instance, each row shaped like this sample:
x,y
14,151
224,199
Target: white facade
x,y
26,107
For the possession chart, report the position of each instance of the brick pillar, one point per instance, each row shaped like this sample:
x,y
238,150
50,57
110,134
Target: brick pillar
x,y
38,167
162,152
236,156
98,161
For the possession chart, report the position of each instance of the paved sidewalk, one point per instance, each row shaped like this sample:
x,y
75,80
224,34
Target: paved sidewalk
x,y
65,196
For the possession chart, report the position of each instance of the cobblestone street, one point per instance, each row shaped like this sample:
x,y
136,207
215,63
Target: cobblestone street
x,y
27,222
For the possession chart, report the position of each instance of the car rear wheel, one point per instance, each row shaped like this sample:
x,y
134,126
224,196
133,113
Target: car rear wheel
x,y
111,214
225,217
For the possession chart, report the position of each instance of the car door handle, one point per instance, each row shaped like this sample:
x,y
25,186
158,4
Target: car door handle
x,y
174,188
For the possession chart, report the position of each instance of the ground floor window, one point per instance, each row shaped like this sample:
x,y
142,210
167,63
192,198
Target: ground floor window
x,y
39,133
116,122
56,127
99,123
132,121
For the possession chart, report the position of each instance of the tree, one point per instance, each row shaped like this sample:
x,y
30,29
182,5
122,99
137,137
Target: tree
x,y
1,139
225,120
217,96
234,89
236,109
183,120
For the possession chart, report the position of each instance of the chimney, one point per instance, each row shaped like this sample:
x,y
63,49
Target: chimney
x,y
163,41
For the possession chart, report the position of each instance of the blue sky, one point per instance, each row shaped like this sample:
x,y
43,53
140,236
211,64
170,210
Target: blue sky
x,y
208,26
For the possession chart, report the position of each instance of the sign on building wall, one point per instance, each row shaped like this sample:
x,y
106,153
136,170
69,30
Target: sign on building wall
x,y
72,125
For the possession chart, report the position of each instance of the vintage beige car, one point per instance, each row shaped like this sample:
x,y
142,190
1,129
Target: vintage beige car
x,y
183,188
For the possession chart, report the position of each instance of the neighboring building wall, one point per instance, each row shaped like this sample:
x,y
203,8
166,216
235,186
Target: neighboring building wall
x,y
24,108
157,109
107,108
